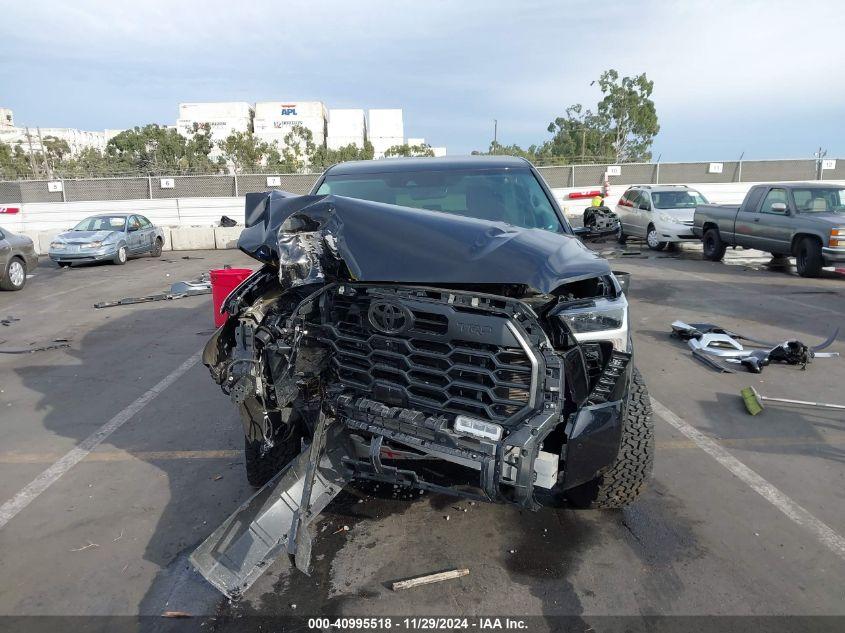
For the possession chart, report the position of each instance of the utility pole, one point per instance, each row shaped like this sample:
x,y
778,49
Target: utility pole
x,y
32,167
47,166
819,158
495,131
583,143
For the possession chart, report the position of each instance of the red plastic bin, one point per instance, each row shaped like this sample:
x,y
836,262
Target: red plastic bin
x,y
223,282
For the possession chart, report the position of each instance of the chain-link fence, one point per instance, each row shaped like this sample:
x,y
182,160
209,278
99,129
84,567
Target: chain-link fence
x,y
216,186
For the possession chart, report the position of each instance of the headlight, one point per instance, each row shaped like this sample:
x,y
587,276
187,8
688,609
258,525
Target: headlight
x,y
665,217
92,245
603,320
57,245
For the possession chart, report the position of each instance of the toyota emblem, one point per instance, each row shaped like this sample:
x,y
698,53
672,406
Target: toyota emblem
x,y
390,318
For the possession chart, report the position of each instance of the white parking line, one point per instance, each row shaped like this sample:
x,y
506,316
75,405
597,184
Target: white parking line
x,y
51,475
828,537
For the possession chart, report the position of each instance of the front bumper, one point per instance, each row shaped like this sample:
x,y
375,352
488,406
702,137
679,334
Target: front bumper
x,y
675,231
83,254
500,471
833,255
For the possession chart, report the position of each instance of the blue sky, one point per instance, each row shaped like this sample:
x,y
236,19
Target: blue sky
x,y
763,77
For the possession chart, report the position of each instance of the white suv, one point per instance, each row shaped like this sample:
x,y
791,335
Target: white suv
x,y
661,214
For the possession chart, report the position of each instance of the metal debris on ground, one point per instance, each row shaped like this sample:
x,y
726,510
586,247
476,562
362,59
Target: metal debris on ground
x,y
712,344
428,579
8,320
226,221
178,290
57,344
176,614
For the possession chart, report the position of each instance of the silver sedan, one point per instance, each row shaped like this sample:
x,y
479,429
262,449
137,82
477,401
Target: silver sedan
x,y
108,237
17,257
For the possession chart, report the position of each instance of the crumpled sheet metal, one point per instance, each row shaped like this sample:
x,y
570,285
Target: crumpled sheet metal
x,y
373,241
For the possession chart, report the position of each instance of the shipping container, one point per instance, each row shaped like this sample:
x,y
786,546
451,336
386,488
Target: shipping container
x,y
382,143
215,110
274,120
386,123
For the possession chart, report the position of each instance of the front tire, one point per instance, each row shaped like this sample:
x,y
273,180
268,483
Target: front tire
x,y
121,256
287,444
714,247
653,239
158,246
14,277
625,480
809,259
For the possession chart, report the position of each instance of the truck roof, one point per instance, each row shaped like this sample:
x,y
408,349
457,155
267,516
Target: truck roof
x,y
443,163
799,185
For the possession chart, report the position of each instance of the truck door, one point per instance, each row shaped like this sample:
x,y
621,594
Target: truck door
x,y
747,218
773,230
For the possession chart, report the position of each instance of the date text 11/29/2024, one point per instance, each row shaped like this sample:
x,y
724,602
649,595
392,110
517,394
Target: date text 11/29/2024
x,y
418,623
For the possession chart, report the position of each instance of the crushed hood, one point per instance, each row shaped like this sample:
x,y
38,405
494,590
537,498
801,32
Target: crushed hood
x,y
380,242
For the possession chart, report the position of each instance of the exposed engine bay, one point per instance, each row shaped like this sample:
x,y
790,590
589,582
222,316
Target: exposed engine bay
x,y
408,346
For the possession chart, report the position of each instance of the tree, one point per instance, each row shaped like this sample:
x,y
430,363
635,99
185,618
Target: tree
x,y
198,149
621,129
298,149
323,157
245,151
151,149
628,114
55,148
409,150
13,162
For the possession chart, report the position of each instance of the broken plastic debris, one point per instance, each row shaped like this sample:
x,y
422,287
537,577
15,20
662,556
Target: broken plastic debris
x,y
428,579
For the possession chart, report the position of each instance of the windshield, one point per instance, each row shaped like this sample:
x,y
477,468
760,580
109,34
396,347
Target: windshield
x,y
102,223
819,200
684,199
505,195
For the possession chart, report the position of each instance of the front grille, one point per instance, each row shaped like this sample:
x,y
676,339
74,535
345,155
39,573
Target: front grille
x,y
425,368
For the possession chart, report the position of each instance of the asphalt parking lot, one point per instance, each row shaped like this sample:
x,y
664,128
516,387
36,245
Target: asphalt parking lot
x,y
744,516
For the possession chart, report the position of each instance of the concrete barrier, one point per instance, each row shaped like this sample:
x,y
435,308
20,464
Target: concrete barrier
x,y
44,239
192,238
167,245
226,236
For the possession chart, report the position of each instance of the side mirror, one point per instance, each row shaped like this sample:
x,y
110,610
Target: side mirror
x,y
133,228
779,207
645,206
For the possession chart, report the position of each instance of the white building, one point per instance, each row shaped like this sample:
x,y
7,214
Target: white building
x,y
224,118
385,129
30,139
347,126
275,119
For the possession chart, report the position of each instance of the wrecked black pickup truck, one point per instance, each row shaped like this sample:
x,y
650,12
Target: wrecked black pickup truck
x,y
431,323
